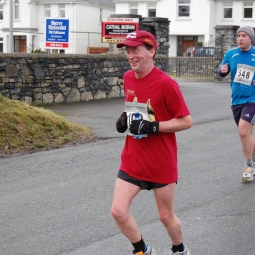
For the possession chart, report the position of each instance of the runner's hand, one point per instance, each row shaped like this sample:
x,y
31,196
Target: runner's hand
x,y
121,124
224,68
139,127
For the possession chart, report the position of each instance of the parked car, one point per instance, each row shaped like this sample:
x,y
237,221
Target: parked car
x,y
199,51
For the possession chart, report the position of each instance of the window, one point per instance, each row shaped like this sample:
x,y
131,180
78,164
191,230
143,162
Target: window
x,y
151,10
1,45
227,10
183,8
47,10
133,8
55,51
1,12
16,9
247,10
62,12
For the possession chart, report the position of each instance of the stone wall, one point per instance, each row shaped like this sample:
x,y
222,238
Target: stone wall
x,y
225,39
56,78
159,27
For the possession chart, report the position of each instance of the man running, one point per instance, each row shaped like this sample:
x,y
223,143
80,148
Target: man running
x,y
154,110
240,62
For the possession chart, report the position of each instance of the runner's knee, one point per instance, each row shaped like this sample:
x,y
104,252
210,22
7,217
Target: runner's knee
x,y
244,132
119,214
167,218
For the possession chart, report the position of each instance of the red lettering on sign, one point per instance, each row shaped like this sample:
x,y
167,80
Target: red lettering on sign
x,y
57,45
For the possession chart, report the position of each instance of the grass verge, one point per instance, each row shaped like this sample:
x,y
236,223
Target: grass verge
x,y
25,129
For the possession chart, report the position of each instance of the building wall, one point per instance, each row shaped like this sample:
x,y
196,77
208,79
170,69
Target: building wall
x,y
197,25
83,18
32,16
122,8
237,15
205,15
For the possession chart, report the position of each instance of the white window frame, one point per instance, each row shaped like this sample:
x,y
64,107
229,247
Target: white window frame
x,y
152,6
47,10
133,7
62,10
16,10
227,5
248,5
183,3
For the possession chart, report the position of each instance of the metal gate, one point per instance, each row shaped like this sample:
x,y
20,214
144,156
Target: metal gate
x,y
198,62
193,68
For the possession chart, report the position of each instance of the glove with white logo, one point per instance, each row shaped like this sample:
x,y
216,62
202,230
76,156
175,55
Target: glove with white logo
x,y
121,124
139,127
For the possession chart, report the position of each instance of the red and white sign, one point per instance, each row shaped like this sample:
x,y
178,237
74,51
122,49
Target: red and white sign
x,y
57,45
115,30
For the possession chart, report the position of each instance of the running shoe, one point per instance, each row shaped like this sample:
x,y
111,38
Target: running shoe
x,y
150,251
185,252
248,174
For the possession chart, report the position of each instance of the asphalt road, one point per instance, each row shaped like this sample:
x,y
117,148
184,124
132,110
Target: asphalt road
x,y
58,202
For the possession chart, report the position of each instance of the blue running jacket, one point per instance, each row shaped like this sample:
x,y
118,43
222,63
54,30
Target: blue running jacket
x,y
241,65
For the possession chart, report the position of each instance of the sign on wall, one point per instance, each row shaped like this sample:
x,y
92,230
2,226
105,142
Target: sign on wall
x,y
115,30
57,33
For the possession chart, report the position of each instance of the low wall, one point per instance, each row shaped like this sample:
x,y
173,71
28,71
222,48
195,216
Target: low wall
x,y
56,78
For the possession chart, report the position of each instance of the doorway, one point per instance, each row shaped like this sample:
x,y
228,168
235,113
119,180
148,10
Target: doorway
x,y
184,42
20,44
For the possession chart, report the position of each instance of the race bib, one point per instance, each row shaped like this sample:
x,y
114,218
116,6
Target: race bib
x,y
244,74
130,108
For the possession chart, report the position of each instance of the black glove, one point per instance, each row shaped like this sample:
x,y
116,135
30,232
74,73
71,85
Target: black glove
x,y
139,127
121,124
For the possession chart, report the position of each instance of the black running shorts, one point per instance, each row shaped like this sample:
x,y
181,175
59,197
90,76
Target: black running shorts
x,y
142,184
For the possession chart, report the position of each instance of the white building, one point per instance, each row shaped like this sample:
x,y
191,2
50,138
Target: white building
x,y
29,23
191,21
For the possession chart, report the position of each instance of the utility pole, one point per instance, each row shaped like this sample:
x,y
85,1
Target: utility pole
x,y
11,44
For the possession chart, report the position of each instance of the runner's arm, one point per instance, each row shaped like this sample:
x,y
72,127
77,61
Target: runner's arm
x,y
175,125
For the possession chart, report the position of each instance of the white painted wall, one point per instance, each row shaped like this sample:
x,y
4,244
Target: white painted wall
x,y
122,8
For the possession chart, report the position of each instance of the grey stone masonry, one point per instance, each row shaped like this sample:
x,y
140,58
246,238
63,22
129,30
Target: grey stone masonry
x,y
159,27
56,78
225,39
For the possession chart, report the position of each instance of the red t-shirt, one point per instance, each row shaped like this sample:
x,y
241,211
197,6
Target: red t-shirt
x,y
153,158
